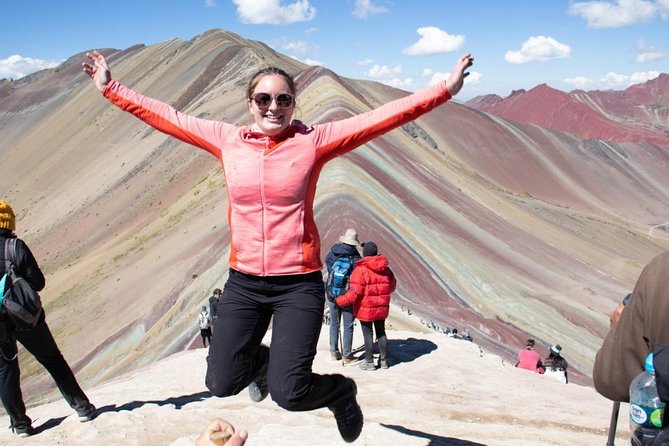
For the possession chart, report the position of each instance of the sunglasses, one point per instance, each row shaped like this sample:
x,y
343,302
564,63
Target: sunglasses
x,y
263,100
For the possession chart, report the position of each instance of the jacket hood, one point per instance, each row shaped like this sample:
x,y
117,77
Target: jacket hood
x,y
342,249
376,263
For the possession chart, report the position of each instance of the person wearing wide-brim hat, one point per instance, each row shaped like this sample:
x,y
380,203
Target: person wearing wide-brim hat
x,y
556,366
38,340
342,318
350,237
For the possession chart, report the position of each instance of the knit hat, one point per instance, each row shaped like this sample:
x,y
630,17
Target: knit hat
x,y
7,217
556,349
369,249
350,238
204,308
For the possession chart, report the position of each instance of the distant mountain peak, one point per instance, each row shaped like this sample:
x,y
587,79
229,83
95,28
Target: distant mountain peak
x,y
636,114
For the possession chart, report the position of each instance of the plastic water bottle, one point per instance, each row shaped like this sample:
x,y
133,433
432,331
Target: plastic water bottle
x,y
646,409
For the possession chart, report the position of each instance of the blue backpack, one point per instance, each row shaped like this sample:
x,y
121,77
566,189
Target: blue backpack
x,y
340,274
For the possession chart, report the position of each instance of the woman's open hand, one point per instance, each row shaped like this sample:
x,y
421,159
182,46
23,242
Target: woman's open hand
x,y
458,75
97,69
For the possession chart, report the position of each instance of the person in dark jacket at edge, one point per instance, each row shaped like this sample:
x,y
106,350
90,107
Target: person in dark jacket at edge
x,y
38,341
213,305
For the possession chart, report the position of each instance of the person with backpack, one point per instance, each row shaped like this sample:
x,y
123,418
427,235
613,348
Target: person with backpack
x,y
37,340
638,326
272,166
339,263
204,322
372,282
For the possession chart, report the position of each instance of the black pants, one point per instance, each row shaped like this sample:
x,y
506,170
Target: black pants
x,y
295,305
367,335
40,343
206,335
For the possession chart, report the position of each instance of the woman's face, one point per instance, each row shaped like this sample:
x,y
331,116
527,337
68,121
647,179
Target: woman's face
x,y
272,104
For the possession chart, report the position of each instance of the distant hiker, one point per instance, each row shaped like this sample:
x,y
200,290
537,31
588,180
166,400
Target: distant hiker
x,y
529,359
453,334
38,340
372,282
555,365
271,173
204,322
339,263
638,326
213,304
466,336
221,429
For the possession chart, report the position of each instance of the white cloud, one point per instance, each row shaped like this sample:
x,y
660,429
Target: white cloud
x,y
15,66
434,41
365,62
611,80
389,76
405,84
383,71
648,54
270,12
579,82
663,9
615,80
210,3
313,29
538,48
309,61
474,77
604,14
298,46
365,8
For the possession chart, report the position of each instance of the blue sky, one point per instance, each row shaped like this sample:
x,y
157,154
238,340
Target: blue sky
x,y
408,44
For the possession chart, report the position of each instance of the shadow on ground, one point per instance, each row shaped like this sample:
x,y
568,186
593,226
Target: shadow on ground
x,y
177,401
435,440
407,350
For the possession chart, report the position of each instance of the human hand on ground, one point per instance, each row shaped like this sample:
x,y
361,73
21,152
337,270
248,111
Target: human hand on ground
x,y
220,432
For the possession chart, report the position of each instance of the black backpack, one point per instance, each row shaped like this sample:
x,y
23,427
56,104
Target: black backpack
x,y
19,301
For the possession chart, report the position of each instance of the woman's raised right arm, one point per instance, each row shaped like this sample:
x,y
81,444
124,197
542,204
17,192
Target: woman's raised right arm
x,y
205,134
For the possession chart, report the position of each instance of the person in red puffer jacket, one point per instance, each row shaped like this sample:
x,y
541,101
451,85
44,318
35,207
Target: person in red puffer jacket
x,y
372,281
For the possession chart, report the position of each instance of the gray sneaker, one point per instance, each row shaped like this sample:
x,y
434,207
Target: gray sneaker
x,y
383,364
367,366
259,388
